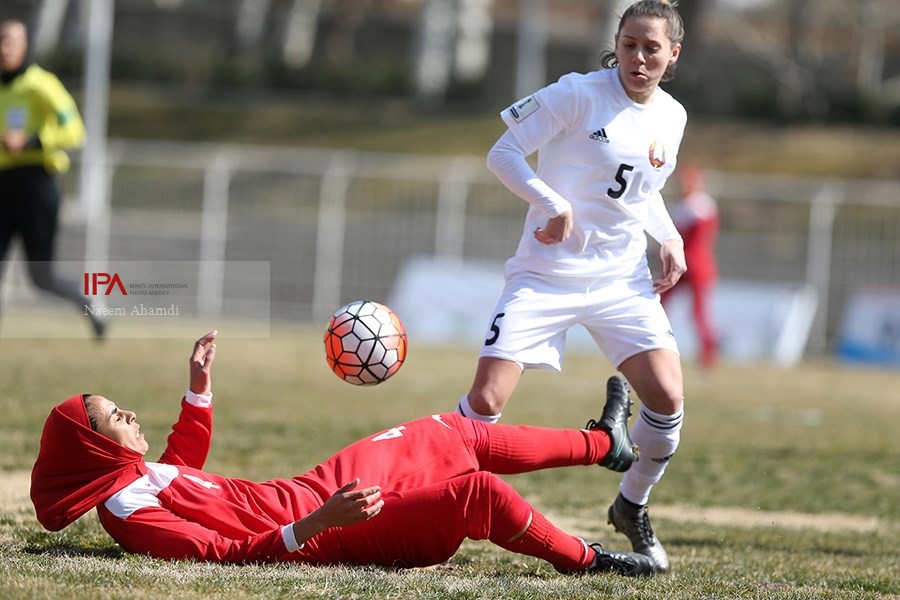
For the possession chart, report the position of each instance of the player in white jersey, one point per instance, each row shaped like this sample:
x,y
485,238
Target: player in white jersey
x,y
606,142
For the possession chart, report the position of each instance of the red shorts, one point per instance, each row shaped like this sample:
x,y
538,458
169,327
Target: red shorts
x,y
427,470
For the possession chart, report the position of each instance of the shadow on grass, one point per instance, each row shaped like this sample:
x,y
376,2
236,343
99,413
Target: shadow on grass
x,y
56,548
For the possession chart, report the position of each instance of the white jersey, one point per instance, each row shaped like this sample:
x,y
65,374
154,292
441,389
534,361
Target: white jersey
x,y
609,157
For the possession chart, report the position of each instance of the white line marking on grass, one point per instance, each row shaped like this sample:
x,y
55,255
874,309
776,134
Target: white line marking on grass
x,y
741,517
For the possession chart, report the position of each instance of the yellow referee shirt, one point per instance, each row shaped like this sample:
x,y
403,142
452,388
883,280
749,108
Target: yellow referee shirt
x,y
37,102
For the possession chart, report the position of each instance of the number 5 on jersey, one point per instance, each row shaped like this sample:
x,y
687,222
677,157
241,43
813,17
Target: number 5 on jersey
x,y
620,179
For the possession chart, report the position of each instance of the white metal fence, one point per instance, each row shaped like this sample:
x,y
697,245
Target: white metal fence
x,y
340,225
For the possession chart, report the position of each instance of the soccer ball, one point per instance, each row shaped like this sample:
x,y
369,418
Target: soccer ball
x,y
365,343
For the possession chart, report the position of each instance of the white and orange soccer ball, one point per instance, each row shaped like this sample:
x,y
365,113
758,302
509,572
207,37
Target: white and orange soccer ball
x,y
365,343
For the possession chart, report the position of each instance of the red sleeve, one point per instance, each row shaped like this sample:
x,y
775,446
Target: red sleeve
x,y
156,532
188,444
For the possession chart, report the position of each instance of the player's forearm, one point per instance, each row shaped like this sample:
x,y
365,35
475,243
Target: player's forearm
x,y
309,526
659,223
506,160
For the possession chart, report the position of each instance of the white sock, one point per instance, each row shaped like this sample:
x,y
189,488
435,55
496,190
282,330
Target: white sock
x,y
466,410
657,436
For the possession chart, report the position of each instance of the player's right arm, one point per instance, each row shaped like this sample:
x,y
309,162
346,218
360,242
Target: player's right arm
x,y
507,160
156,532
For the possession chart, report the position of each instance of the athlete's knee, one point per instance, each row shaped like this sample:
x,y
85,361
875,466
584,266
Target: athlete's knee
x,y
495,381
487,401
665,402
493,507
661,395
657,380
485,486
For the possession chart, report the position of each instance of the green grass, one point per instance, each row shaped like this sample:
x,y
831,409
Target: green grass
x,y
785,485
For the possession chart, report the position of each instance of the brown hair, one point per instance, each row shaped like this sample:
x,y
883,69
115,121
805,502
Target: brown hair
x,y
654,9
91,409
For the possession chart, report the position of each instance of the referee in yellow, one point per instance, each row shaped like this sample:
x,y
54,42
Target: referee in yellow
x,y
40,121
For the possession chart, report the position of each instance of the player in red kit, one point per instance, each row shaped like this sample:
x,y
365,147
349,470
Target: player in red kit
x,y
404,497
696,216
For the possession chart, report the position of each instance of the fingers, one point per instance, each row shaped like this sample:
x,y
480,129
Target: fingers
x,y
349,505
662,285
209,357
543,237
367,495
368,499
207,339
348,486
373,509
557,230
204,349
666,283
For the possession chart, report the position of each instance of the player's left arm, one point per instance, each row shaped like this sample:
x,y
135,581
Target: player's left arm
x,y
347,506
671,251
61,126
674,265
201,362
189,442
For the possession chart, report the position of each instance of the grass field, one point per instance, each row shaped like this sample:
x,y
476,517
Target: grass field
x,y
786,485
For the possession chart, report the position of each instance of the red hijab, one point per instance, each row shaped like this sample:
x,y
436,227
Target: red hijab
x,y
77,468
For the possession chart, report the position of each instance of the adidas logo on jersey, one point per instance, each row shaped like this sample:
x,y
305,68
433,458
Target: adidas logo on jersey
x,y
600,135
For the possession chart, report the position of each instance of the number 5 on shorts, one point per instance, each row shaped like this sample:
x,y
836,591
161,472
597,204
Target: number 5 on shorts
x,y
495,330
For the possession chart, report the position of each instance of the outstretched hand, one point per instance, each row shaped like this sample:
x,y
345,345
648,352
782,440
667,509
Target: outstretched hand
x,y
201,362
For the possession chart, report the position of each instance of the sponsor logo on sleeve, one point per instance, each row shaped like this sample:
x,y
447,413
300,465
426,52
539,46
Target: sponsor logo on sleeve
x,y
522,109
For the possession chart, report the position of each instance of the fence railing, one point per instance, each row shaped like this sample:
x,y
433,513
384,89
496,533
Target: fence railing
x,y
337,225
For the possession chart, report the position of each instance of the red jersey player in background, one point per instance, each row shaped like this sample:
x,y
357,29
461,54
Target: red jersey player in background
x,y
405,497
696,217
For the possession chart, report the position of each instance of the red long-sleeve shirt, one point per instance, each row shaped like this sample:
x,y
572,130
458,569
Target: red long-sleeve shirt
x,y
173,509
176,510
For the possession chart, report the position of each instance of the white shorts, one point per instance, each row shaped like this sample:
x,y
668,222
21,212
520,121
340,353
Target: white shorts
x,y
535,311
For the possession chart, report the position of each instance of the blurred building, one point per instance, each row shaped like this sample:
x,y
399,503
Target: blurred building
x,y
336,225
822,60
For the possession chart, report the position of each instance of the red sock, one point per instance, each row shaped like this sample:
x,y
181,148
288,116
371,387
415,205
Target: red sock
x,y
509,449
496,511
544,540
